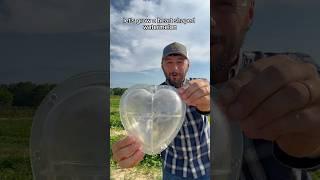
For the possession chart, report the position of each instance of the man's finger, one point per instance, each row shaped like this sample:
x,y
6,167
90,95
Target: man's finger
x,y
300,121
203,91
194,85
132,160
201,103
313,86
293,97
188,91
265,84
231,89
123,143
126,152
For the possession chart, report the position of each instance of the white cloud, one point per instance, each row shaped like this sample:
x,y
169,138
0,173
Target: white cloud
x,y
134,49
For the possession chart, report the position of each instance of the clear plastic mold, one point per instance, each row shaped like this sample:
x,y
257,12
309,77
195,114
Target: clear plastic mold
x,y
152,114
68,136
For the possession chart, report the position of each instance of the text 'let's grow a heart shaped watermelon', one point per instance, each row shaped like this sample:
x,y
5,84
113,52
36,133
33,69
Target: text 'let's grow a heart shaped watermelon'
x,y
152,114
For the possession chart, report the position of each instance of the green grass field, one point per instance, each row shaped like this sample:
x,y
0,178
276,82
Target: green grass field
x,y
15,125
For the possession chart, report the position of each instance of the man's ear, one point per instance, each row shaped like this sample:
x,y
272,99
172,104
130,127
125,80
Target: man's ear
x,y
188,65
162,67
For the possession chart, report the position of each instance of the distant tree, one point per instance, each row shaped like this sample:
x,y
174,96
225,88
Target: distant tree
x,y
6,97
28,93
118,91
111,92
39,93
22,93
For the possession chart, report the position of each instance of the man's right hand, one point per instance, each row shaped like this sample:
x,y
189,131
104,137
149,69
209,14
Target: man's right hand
x,y
127,152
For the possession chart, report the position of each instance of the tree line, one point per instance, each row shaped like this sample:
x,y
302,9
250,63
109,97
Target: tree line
x,y
117,91
28,94
23,94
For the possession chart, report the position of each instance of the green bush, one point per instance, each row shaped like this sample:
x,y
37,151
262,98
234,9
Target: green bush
x,y
115,121
6,97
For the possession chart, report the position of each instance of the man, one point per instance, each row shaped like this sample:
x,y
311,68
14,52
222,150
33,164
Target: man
x,y
274,97
188,155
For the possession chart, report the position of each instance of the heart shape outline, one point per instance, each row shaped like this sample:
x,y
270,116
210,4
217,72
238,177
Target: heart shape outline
x,y
153,119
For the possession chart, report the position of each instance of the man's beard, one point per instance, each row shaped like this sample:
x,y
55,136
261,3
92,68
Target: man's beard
x,y
176,83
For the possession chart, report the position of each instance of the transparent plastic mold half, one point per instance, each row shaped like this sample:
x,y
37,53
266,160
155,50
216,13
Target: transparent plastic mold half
x,y
68,136
153,115
227,144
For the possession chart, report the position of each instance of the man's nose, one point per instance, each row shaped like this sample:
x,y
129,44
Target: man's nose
x,y
175,67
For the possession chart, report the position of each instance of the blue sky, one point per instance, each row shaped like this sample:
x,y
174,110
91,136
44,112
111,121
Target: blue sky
x,y
136,53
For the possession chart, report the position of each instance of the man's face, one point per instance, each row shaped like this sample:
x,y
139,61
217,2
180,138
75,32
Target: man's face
x,y
230,21
175,68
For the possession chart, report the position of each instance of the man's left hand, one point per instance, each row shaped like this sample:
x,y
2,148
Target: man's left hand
x,y
277,99
197,94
